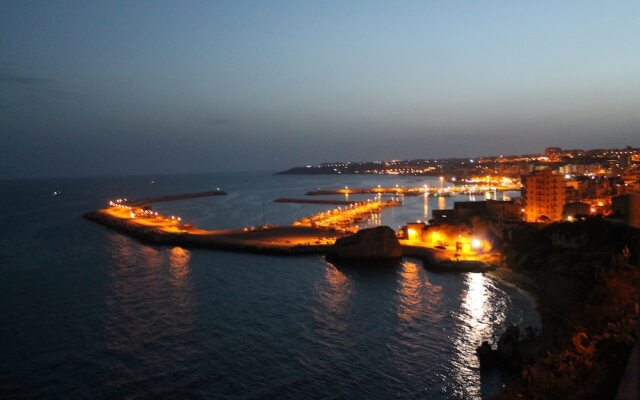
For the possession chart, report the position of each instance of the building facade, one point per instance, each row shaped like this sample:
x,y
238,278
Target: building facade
x,y
544,196
627,207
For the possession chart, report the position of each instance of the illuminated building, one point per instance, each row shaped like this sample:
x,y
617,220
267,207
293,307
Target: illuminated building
x,y
544,196
414,230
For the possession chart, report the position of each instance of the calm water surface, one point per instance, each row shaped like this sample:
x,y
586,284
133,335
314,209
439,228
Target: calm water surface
x,y
89,313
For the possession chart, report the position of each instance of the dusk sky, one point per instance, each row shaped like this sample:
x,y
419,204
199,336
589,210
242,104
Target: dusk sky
x,y
105,88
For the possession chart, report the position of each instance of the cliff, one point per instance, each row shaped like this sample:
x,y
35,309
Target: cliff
x,y
585,278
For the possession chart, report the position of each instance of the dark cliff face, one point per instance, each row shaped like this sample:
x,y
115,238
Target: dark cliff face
x,y
587,276
566,259
378,243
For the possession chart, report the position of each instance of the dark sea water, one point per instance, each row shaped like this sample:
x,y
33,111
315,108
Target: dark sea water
x,y
87,313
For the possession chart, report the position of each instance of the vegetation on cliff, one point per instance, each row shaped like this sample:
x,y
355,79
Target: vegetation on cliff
x,y
587,276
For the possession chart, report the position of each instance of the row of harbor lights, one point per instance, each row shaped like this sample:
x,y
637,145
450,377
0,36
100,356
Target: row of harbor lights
x,y
134,213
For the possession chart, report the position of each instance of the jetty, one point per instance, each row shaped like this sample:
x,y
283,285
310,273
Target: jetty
x,y
318,201
347,218
444,261
155,229
316,234
376,190
175,197
443,191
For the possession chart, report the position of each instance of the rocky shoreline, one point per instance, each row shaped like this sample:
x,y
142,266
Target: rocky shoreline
x,y
584,280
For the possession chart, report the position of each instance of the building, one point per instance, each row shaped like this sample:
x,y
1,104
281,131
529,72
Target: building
x,y
504,211
544,196
627,208
494,210
413,230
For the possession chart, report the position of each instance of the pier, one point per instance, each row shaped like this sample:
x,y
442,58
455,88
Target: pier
x,y
323,201
310,235
346,219
378,190
152,227
175,197
479,189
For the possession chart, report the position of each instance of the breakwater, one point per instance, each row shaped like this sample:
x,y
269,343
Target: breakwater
x,y
286,240
347,191
175,197
279,240
318,201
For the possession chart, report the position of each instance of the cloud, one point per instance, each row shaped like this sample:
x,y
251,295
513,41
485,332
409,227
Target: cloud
x,y
12,79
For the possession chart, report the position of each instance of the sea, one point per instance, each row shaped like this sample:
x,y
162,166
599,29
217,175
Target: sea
x,y
88,313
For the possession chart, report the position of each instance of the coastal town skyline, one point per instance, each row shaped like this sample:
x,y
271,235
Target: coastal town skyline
x,y
94,88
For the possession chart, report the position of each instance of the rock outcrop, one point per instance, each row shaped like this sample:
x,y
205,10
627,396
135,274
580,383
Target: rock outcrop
x,y
378,243
508,353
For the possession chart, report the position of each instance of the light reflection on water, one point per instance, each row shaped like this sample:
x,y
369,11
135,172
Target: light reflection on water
x,y
412,291
483,309
150,304
179,262
333,294
425,213
103,316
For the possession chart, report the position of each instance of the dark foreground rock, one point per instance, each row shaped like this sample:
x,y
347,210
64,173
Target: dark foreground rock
x,y
378,243
585,277
513,350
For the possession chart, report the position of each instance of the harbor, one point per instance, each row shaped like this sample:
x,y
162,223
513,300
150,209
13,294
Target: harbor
x,y
472,189
312,234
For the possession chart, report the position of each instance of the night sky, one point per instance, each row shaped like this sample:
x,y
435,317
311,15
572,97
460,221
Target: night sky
x,y
135,87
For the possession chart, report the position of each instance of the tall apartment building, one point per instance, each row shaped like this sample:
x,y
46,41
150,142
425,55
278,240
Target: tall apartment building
x,y
544,196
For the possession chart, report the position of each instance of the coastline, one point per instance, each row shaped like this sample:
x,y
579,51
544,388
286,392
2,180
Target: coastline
x,y
508,276
557,302
276,240
585,302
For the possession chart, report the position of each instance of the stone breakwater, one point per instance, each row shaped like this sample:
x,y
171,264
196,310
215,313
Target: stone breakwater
x,y
291,240
176,197
272,240
320,201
